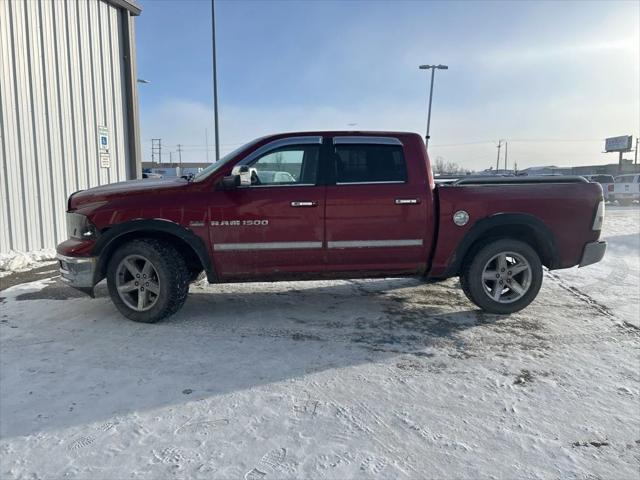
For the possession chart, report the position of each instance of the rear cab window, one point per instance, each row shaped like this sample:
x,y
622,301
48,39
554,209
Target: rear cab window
x,y
358,163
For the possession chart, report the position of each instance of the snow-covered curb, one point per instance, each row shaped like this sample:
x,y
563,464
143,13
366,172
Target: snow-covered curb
x,y
16,261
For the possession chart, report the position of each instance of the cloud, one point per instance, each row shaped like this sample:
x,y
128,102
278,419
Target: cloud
x,y
530,55
554,87
564,132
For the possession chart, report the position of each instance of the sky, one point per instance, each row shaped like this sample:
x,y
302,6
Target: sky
x,y
552,79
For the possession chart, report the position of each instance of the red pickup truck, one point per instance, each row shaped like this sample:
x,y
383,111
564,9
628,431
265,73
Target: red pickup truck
x,y
327,205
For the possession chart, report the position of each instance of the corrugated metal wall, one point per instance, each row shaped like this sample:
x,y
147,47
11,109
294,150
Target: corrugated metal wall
x,y
61,77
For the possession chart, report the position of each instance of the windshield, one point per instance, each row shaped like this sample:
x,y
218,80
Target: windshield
x,y
214,167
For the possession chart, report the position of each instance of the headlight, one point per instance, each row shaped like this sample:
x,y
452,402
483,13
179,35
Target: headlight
x,y
79,226
599,218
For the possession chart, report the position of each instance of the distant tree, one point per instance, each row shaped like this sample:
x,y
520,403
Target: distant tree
x,y
445,167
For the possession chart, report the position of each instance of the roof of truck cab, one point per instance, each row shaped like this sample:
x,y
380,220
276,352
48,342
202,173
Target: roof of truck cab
x,y
355,133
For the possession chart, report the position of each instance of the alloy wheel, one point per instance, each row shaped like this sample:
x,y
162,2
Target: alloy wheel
x,y
137,283
506,277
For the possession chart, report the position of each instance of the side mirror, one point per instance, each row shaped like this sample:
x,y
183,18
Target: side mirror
x,y
230,182
244,173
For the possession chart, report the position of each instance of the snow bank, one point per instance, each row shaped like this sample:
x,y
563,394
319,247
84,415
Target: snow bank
x,y
16,261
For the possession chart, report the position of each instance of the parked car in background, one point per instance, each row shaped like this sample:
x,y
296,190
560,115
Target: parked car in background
x,y
362,205
271,176
606,181
626,189
147,173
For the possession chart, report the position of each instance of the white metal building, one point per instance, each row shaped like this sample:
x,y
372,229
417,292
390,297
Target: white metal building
x,y
68,110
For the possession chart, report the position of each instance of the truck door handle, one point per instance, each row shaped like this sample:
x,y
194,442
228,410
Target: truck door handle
x,y
304,204
407,201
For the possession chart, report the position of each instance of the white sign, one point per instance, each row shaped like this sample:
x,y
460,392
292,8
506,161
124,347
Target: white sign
x,y
105,160
103,139
618,144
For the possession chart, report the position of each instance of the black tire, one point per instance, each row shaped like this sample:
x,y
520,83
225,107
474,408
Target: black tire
x,y
473,284
172,273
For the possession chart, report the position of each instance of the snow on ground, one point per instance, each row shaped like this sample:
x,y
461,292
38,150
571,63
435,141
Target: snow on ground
x,y
343,379
16,261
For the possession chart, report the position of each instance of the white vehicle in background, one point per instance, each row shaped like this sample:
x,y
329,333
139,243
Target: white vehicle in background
x,y
607,183
626,189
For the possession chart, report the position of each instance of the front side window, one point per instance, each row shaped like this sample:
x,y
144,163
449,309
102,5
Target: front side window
x,y
369,163
291,165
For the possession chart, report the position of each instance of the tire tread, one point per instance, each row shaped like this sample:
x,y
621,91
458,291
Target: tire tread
x,y
472,267
178,276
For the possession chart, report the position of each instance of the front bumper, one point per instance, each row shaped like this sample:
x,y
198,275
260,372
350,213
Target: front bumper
x,y
593,253
78,272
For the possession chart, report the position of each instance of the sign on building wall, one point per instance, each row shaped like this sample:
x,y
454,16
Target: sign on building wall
x,y
103,147
618,144
105,161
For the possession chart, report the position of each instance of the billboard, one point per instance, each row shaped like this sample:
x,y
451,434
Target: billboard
x,y
618,144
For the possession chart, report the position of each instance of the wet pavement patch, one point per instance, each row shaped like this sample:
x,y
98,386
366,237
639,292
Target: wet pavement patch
x,y
59,290
595,443
525,376
16,278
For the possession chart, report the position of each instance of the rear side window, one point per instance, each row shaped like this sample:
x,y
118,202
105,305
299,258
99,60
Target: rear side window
x,y
369,163
624,179
602,178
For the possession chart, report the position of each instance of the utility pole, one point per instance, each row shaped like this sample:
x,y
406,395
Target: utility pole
x,y
156,150
180,154
620,162
433,71
635,159
215,79
505,156
170,158
206,143
498,159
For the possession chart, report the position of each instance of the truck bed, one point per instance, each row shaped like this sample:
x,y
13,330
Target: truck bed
x,y
562,207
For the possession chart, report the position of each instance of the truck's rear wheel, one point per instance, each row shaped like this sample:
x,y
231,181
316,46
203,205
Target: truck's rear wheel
x,y
503,276
148,280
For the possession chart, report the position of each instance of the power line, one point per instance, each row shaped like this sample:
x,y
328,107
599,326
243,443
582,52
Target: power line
x,y
522,140
206,145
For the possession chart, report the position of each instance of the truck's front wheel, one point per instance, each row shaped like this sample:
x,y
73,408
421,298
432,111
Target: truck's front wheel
x,y
148,280
503,277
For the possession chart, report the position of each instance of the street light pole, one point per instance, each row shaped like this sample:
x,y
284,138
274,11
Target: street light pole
x,y
215,79
433,71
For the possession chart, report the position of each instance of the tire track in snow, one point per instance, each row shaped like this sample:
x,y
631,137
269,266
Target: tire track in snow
x,y
580,295
592,303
